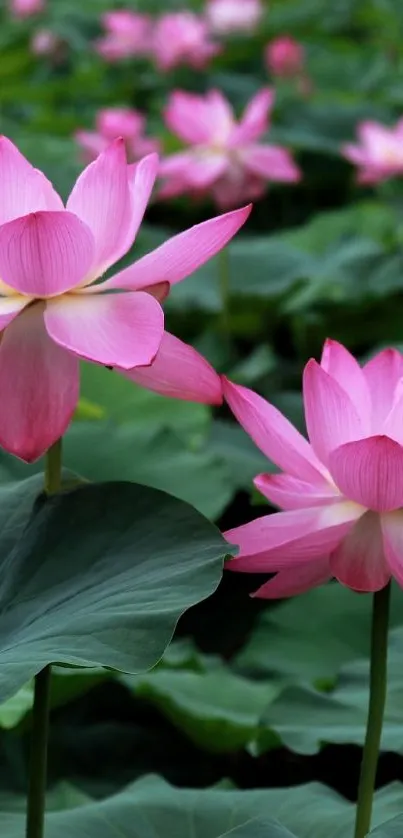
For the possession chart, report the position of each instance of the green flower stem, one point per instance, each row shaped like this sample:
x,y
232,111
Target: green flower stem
x,y
40,715
377,697
224,275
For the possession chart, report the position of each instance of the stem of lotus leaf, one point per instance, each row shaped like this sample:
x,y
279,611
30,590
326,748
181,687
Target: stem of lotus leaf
x,y
377,698
40,714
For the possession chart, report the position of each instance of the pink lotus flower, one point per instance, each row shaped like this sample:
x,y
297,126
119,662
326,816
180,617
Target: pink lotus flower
x,y
343,492
225,160
46,42
285,57
26,8
127,34
117,122
182,38
226,16
378,153
51,312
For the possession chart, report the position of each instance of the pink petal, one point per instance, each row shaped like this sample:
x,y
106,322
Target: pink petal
x,y
273,433
10,307
141,181
289,492
255,119
295,580
338,362
271,162
188,117
101,198
200,171
392,531
330,414
382,374
45,253
23,189
39,384
122,330
181,255
180,372
277,541
370,472
359,561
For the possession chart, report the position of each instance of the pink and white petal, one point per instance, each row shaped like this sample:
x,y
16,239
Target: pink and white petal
x,y
39,383
45,253
142,177
23,189
359,560
290,492
10,307
392,531
188,116
331,417
370,472
382,374
180,372
101,198
271,162
181,255
338,362
255,118
295,580
279,540
122,330
273,433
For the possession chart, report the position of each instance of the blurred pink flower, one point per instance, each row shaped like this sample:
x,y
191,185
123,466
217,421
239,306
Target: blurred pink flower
x,y
342,492
226,16
378,153
127,34
51,312
285,57
225,159
26,8
46,42
182,38
112,123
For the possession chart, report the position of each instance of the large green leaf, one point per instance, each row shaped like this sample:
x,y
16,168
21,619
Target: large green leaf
x,y
100,576
257,828
151,808
392,829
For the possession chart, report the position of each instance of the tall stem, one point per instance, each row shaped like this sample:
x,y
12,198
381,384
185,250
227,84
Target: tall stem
x,y
377,697
40,715
224,273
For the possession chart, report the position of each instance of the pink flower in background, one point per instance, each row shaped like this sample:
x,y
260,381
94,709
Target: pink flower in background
x,y
226,16
342,492
26,8
112,123
378,153
182,38
285,57
51,313
46,42
226,158
126,34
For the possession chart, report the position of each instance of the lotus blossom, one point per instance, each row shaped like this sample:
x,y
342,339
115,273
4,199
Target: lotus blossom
x,y
182,38
342,492
117,122
46,42
26,8
126,34
225,158
51,312
226,16
378,153
285,57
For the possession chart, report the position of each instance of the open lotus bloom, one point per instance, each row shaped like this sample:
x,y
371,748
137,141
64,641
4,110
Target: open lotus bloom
x,y
126,34
112,123
226,16
26,8
226,158
46,42
182,38
285,57
342,492
378,153
51,312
